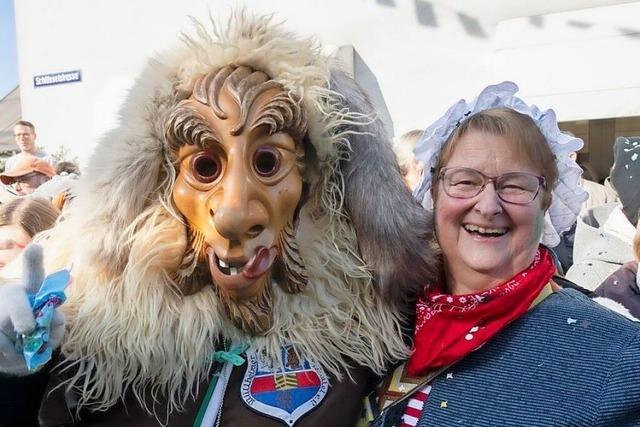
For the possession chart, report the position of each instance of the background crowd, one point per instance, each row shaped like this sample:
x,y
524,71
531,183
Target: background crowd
x,y
35,188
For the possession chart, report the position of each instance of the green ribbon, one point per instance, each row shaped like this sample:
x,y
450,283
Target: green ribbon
x,y
205,402
232,356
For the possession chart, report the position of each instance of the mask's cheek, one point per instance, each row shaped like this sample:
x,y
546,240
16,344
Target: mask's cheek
x,y
190,203
284,199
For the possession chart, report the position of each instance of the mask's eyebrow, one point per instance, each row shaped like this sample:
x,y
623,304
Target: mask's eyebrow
x,y
187,126
281,113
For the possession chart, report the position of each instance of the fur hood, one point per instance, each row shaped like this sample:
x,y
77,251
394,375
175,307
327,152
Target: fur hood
x,y
364,241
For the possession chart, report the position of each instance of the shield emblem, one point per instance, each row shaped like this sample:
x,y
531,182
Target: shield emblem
x,y
285,389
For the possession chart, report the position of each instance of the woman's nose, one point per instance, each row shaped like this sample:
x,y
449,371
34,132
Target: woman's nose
x,y
488,203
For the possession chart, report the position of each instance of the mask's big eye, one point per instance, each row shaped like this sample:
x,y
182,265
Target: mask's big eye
x,y
206,167
266,161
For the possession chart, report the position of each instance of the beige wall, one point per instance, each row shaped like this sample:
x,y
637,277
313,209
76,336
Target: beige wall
x,y
598,137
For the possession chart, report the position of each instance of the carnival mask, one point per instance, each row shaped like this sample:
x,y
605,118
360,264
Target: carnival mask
x,y
238,142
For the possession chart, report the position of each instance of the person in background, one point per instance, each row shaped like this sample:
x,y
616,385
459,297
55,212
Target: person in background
x,y
68,168
625,175
27,174
410,168
60,188
20,220
604,234
499,340
598,195
623,286
25,135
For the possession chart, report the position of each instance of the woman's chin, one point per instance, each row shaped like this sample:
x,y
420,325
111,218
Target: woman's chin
x,y
489,268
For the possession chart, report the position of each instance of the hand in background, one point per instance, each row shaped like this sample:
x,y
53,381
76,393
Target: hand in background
x,y
16,313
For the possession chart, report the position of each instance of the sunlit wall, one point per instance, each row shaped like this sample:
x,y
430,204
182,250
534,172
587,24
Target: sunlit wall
x,y
425,54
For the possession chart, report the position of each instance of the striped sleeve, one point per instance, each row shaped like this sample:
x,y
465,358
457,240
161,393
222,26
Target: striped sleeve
x,y
620,401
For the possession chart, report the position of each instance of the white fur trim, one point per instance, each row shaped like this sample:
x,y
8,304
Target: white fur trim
x,y
615,306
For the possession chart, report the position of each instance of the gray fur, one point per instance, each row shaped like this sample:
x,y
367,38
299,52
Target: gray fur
x,y
16,315
32,268
395,233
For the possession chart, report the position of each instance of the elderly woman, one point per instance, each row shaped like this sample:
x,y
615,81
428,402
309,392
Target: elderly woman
x,y
497,340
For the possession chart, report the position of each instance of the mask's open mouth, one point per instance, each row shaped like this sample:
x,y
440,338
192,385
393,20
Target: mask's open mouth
x,y
230,269
238,276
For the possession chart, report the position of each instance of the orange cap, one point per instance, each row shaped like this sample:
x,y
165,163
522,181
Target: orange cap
x,y
26,164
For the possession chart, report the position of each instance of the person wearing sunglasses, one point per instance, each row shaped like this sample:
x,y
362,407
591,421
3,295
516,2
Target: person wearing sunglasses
x,y
27,175
499,338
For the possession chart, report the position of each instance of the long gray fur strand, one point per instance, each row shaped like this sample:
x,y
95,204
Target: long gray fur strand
x,y
395,233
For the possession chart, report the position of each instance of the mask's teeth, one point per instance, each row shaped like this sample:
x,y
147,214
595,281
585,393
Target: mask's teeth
x,y
233,271
222,263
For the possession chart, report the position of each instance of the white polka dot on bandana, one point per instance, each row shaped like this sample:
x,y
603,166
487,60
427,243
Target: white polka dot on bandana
x,y
469,336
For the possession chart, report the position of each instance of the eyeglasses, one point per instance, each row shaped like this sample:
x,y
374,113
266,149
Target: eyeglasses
x,y
518,188
25,179
28,181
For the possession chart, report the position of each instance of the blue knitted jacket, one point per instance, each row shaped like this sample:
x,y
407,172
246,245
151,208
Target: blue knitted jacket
x,y
567,362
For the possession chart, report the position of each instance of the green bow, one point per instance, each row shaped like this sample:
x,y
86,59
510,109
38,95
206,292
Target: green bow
x,y
231,356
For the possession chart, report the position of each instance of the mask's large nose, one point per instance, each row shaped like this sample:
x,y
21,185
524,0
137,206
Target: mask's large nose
x,y
238,214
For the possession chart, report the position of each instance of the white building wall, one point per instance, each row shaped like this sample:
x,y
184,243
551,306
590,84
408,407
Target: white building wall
x,y
425,54
585,63
111,40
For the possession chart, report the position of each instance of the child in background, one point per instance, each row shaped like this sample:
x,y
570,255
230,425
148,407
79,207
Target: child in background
x,y
20,220
410,168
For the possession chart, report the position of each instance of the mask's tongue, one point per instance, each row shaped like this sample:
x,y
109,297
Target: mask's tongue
x,y
261,262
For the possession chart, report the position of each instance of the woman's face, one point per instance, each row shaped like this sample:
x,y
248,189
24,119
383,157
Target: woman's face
x,y
13,240
483,236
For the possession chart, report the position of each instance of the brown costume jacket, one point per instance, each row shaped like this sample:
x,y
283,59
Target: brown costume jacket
x,y
341,406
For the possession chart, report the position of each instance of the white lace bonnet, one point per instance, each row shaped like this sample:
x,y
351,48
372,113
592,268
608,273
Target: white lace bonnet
x,y
567,193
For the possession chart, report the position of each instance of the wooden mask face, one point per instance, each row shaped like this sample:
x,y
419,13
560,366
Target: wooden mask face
x,y
238,187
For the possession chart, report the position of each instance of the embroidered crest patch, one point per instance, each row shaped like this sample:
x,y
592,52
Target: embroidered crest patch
x,y
285,390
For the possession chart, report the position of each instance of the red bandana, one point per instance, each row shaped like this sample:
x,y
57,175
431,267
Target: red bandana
x,y
448,327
